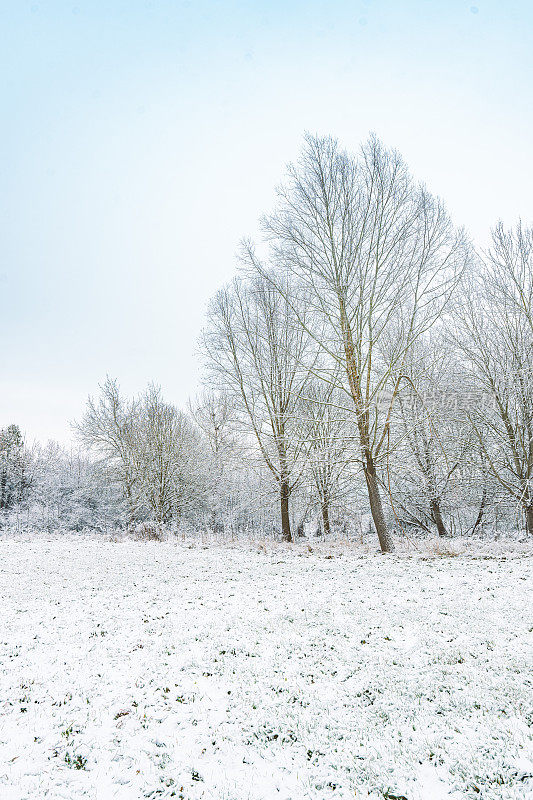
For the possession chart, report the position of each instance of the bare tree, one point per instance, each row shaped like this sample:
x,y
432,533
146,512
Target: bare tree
x,y
149,448
168,457
328,431
257,351
108,428
493,330
214,414
435,438
377,258
509,262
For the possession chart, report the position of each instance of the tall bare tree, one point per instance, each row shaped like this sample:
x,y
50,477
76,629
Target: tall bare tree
x,y
494,332
377,257
260,353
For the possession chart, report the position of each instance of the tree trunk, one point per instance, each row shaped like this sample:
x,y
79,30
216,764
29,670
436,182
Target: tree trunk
x,y
325,516
437,517
376,506
3,492
285,517
479,517
131,507
354,380
529,519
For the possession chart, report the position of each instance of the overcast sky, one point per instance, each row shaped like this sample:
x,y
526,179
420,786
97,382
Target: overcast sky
x,y
141,140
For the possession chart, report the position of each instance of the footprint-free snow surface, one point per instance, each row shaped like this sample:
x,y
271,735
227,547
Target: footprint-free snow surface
x,y
152,670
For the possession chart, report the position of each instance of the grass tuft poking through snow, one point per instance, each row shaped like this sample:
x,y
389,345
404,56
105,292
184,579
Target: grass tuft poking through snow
x,y
145,669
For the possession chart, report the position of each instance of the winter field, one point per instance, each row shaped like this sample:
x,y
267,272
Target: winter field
x,y
245,672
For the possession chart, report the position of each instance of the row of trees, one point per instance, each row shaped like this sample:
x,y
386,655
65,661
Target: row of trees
x,y
149,449
138,460
369,334
366,364
50,488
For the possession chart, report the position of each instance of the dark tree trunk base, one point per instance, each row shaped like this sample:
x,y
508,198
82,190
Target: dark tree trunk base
x,y
325,519
285,516
529,519
376,508
437,517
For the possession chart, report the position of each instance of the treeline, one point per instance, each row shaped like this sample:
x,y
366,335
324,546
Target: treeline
x,y
139,463
366,364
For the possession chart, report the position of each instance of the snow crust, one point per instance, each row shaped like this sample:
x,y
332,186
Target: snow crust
x,y
156,670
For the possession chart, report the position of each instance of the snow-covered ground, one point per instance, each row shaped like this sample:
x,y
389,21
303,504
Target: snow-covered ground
x,y
152,670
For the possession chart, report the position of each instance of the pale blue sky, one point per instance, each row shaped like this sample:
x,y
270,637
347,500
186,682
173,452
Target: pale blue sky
x,y
141,140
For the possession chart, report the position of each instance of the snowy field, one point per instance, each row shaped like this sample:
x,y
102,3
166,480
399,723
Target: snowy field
x,y
155,670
